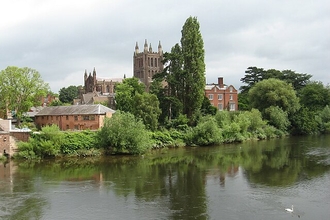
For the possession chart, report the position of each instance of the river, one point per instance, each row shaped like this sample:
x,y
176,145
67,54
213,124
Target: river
x,y
250,180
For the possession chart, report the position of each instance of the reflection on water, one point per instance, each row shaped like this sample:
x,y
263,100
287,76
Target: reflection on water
x,y
252,180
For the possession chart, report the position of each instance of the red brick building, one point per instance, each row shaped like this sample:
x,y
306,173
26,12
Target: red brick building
x,y
74,117
221,96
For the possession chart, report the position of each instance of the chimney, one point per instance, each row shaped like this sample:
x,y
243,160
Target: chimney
x,y
220,82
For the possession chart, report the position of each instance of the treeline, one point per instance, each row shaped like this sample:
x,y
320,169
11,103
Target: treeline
x,y
289,101
175,111
126,134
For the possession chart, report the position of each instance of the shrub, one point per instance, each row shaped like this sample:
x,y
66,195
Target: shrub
x,y
76,141
123,133
277,117
206,132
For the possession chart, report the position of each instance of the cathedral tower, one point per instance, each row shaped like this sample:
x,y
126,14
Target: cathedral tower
x,y
147,63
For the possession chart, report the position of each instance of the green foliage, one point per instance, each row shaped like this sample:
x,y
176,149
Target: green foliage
x,y
304,122
205,133
66,95
256,121
181,122
123,133
192,46
324,123
147,108
277,117
207,108
51,142
125,93
273,92
46,143
21,88
314,96
223,118
254,75
75,142
184,74
56,103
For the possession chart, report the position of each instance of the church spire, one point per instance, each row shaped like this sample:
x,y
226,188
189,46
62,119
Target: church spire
x,y
136,48
150,48
145,46
160,49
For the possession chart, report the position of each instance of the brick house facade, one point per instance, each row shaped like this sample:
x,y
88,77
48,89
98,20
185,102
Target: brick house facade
x,y
222,96
74,117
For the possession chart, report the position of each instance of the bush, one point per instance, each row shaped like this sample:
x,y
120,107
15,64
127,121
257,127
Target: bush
x,y
277,117
123,133
46,143
77,141
206,132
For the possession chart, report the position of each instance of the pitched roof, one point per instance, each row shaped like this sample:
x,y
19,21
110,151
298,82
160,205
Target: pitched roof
x,y
75,110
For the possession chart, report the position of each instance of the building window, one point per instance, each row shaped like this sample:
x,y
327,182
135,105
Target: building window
x,y
67,127
76,127
231,89
219,96
76,117
92,117
86,117
210,96
67,117
231,97
232,106
220,107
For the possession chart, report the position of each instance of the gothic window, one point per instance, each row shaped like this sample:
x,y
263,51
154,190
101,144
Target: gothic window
x,y
152,62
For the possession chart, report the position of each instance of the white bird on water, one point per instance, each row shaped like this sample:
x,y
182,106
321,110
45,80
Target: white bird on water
x,y
289,210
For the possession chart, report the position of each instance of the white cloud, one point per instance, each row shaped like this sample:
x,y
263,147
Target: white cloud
x,y
61,38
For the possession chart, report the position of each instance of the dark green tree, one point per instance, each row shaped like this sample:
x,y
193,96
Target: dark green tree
x,y
66,95
255,74
314,96
184,74
192,47
252,76
147,108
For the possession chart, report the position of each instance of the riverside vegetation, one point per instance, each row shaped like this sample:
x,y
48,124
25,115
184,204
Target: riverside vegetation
x,y
273,104
125,134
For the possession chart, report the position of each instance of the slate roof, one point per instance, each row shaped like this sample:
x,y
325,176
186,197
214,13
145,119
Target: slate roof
x,y
75,110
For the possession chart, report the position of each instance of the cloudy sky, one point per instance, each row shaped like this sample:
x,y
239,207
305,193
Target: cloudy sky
x,y
62,38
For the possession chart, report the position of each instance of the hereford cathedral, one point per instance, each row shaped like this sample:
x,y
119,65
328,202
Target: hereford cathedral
x,y
102,90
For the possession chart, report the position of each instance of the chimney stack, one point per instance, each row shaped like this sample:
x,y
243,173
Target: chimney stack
x,y
220,82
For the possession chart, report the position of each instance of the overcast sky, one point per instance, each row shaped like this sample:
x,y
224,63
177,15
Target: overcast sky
x,y
62,38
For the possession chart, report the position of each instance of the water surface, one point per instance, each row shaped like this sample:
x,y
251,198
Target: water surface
x,y
252,180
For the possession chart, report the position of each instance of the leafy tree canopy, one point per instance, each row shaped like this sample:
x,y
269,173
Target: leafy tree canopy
x,y
125,93
255,74
315,96
273,92
66,95
184,73
20,89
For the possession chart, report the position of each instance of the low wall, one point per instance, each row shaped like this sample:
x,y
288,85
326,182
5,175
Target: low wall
x,y
4,143
8,141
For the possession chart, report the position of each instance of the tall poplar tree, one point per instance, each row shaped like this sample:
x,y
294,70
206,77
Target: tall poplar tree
x,y
192,49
